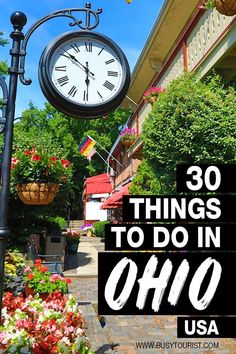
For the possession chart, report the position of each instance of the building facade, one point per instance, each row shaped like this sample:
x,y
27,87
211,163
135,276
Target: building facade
x,y
184,38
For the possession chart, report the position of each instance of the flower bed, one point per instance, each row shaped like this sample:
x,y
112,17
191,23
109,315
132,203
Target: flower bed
x,y
13,278
39,280
41,327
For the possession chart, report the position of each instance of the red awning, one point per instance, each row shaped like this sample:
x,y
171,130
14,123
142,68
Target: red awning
x,y
98,184
115,199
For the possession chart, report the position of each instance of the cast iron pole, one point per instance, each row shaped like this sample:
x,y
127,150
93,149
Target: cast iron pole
x,y
18,20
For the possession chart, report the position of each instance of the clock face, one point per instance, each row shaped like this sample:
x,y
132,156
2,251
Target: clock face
x,y
84,74
85,70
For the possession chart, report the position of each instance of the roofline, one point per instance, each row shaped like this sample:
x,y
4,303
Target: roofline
x,y
148,41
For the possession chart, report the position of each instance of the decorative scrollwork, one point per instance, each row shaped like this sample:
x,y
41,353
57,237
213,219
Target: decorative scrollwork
x,y
91,22
3,86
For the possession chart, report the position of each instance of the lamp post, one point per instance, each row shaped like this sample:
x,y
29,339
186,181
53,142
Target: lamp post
x,y
17,69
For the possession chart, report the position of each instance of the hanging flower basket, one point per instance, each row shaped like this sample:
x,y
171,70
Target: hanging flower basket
x,y
151,95
128,142
36,193
128,136
224,7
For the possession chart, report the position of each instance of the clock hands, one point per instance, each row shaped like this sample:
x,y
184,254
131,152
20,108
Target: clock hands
x,y
72,57
87,81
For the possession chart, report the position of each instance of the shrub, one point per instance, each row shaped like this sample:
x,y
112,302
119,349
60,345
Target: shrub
x,y
60,221
99,228
193,122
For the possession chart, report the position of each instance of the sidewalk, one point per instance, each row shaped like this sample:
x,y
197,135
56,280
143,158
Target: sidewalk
x,y
121,333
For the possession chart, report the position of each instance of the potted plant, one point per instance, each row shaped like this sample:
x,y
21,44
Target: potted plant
x,y
34,326
128,136
224,7
37,175
88,228
39,281
151,95
72,241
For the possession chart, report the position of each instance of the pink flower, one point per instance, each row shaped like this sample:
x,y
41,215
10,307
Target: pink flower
x,y
27,270
42,281
153,91
14,162
128,131
56,277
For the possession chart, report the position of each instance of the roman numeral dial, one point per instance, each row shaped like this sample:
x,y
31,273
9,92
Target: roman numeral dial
x,y
63,80
109,85
73,91
88,46
86,71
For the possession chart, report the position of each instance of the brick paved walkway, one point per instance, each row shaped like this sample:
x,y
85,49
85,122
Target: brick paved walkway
x,y
122,332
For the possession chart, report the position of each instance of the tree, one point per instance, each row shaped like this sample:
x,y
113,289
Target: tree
x,y
3,64
192,122
61,135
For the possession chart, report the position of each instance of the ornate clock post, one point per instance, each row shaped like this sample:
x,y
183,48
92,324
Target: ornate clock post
x,y
61,90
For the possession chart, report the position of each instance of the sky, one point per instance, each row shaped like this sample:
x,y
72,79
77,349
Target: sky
x,y
127,24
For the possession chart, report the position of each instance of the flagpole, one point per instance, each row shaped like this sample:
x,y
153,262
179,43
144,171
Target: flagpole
x,y
106,151
104,160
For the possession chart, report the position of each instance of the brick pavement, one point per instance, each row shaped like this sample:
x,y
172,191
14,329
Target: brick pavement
x,y
122,332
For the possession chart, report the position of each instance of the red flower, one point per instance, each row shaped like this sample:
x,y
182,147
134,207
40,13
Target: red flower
x,y
35,158
65,163
43,269
27,152
38,262
30,276
54,158
68,280
45,345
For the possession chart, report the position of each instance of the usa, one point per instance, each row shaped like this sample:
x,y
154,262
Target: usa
x,y
201,328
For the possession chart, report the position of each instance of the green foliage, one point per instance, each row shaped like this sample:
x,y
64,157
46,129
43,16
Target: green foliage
x,y
209,4
41,281
145,181
99,228
39,165
192,122
3,64
61,135
60,221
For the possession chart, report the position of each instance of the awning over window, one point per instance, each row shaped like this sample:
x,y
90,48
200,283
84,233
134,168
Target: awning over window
x,y
98,184
115,199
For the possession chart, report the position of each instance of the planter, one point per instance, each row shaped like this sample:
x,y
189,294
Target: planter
x,y
29,291
89,233
72,247
127,142
226,7
36,193
151,99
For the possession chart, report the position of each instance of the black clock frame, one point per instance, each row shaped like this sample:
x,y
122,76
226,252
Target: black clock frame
x,y
66,106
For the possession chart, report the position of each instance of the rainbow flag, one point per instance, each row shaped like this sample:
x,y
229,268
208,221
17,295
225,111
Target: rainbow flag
x,y
86,146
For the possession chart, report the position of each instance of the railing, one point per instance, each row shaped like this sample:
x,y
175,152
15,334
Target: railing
x,y
175,69
191,49
206,32
127,172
